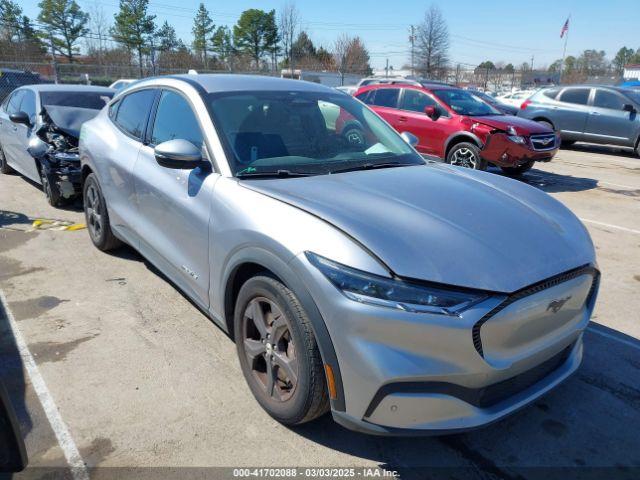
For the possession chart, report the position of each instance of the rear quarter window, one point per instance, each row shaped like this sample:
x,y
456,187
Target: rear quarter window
x,y
551,92
578,96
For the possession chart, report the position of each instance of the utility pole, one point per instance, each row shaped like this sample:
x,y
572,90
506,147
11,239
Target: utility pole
x,y
54,65
532,63
386,69
412,39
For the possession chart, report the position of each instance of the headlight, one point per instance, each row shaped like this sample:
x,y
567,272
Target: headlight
x,y
373,289
516,138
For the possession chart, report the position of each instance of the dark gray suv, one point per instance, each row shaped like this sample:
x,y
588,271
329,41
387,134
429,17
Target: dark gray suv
x,y
596,114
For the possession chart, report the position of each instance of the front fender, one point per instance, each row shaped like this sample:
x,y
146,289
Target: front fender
x,y
285,273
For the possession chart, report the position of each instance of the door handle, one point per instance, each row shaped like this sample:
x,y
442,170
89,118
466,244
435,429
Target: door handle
x,y
15,129
595,113
402,119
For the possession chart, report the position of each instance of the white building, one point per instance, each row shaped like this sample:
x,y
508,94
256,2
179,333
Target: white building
x,y
631,72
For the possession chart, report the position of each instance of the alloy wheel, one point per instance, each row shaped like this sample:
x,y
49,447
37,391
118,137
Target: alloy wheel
x,y
269,349
93,207
464,157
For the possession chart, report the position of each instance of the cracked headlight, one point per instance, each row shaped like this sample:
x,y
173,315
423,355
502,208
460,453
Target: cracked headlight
x,y
381,291
516,139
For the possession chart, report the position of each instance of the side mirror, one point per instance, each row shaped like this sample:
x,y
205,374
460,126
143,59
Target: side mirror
x,y
432,112
627,107
410,138
178,154
20,117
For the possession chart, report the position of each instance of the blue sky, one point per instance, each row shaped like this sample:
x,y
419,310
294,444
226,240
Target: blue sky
x,y
498,30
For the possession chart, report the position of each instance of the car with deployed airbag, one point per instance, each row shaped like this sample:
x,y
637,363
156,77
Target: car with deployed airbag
x,y
353,275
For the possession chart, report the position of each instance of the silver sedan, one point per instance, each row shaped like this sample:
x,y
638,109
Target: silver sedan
x,y
403,295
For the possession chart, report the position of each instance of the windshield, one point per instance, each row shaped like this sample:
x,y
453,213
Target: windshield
x,y
634,94
91,100
304,133
465,103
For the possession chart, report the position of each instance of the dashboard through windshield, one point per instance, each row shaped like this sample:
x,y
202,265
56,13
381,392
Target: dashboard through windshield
x,y
304,133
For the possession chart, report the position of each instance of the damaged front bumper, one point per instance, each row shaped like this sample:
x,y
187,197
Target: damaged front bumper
x,y
502,150
63,172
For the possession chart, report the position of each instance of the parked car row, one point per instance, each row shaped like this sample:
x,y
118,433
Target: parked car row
x,y
354,275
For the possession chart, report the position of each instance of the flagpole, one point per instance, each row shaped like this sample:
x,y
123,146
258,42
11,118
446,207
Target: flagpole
x,y
564,51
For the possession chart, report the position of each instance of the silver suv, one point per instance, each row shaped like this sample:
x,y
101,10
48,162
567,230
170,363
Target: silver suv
x,y
353,275
595,114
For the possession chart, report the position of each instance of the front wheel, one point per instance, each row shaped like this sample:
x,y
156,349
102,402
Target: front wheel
x,y
466,155
278,353
97,217
519,170
4,166
51,190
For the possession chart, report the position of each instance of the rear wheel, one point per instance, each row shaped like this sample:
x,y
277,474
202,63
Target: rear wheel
x,y
515,171
466,154
278,353
4,166
97,216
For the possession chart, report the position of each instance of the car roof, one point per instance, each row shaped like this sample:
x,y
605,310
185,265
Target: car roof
x,y
52,87
227,82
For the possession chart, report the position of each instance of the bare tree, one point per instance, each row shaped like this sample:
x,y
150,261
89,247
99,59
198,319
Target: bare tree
x,y
99,27
288,26
351,56
433,43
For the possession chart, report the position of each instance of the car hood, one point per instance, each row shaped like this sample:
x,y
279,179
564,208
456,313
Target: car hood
x,y
70,119
445,224
522,126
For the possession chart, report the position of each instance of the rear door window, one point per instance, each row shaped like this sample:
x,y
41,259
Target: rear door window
x,y
386,97
578,96
133,112
608,99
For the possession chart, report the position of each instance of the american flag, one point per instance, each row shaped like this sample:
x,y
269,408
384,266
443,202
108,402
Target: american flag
x,y
565,28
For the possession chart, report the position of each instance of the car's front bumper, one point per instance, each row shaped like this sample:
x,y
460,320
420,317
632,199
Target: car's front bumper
x,y
406,373
501,151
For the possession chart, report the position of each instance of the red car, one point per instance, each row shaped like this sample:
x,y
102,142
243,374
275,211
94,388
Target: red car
x,y
459,127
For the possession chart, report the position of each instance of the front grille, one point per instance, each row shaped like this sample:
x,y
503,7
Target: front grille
x,y
535,288
543,142
500,391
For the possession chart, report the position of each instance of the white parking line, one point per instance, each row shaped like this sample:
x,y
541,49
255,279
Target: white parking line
x,y
613,337
74,459
608,225
618,185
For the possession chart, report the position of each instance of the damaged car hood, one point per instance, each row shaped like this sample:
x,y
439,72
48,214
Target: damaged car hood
x,y
522,126
70,119
445,224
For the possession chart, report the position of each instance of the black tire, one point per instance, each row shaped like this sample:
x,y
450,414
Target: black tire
x,y
97,217
466,154
546,124
4,166
638,148
51,191
517,171
294,398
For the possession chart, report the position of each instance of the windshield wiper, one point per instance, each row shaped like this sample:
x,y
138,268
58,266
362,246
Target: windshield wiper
x,y
273,174
371,166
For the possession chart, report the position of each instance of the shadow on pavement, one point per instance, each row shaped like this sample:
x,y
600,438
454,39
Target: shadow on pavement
x,y
553,182
586,428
